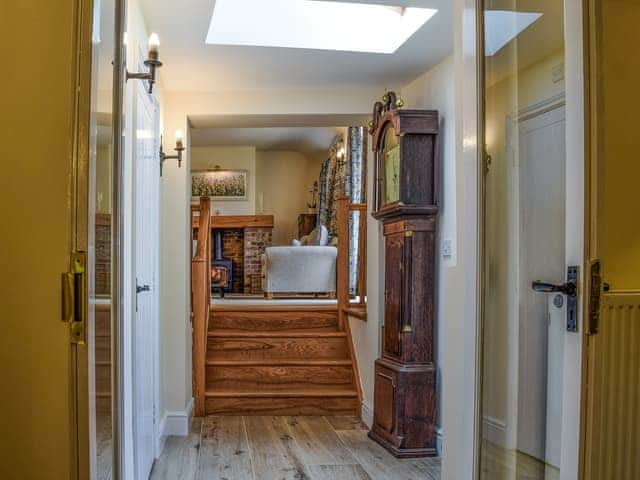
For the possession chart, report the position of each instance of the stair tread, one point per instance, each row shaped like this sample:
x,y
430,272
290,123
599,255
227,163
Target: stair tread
x,y
224,333
320,392
218,308
278,362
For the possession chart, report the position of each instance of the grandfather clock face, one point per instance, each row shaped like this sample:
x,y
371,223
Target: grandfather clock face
x,y
389,168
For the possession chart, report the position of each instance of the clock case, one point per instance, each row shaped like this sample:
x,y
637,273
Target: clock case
x,y
417,132
405,398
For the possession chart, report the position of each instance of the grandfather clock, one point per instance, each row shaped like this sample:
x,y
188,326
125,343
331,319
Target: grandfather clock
x,y
405,143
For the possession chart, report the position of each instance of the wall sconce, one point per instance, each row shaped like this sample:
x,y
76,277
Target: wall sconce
x,y
178,148
152,62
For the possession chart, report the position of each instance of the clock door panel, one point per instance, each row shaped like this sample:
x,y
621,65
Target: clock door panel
x,y
385,399
394,251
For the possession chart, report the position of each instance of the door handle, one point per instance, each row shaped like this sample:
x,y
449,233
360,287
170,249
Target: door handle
x,y
568,288
142,288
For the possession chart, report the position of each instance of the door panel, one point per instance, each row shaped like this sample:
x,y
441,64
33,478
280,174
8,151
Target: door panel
x,y
525,239
146,181
36,357
394,253
541,163
612,405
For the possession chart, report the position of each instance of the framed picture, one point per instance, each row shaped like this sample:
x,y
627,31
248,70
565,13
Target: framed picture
x,y
219,184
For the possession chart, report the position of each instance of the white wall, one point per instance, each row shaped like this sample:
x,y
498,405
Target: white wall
x,y
284,179
229,157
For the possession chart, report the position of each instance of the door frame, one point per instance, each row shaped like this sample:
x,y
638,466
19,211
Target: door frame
x,y
80,191
577,230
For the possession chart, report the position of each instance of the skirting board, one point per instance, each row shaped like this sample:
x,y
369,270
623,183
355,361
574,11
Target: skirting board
x,y
366,414
176,423
495,431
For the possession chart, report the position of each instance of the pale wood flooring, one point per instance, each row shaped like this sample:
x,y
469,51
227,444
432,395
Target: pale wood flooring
x,y
501,464
284,448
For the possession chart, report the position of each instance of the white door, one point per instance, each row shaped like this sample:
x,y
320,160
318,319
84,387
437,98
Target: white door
x,y
542,188
145,325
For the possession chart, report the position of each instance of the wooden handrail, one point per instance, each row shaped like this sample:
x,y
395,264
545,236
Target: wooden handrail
x,y
201,301
343,210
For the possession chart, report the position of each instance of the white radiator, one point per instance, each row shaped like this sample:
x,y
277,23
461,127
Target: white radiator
x,y
613,395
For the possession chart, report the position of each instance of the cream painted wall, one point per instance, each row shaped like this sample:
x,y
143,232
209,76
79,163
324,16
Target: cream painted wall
x,y
283,183
525,88
432,90
229,157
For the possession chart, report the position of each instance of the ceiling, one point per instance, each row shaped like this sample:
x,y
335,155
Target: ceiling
x,y
308,134
191,65
307,140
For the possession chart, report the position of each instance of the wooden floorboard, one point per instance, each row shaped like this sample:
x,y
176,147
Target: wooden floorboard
x,y
224,449
180,456
284,448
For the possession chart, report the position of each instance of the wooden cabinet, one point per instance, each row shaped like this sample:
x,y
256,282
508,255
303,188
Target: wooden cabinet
x,y
405,375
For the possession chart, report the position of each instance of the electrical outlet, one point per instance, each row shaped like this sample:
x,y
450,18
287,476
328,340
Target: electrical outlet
x,y
447,247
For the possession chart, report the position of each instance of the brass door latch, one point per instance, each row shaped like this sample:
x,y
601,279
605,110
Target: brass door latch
x,y
74,297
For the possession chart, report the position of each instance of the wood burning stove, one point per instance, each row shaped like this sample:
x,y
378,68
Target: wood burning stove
x,y
221,268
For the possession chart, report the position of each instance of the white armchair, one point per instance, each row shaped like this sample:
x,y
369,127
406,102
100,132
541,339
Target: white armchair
x,y
300,270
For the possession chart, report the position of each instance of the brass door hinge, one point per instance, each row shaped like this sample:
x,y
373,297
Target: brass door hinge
x,y
594,297
74,297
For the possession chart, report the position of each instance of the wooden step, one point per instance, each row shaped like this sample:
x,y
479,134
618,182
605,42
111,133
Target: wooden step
x,y
291,346
269,319
283,362
320,402
278,378
279,334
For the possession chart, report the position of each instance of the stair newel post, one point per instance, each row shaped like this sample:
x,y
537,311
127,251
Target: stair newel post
x,y
201,297
342,283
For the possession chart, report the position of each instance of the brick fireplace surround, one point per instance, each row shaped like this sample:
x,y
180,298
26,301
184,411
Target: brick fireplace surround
x,y
244,240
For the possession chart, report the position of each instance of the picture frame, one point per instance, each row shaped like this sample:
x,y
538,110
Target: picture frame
x,y
219,184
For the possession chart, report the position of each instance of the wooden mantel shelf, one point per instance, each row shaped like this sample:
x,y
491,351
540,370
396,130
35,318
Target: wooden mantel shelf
x,y
237,221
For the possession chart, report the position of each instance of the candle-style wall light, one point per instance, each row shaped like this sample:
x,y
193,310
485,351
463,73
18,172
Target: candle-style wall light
x,y
152,63
178,148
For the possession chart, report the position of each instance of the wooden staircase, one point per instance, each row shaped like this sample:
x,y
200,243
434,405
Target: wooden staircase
x,y
274,360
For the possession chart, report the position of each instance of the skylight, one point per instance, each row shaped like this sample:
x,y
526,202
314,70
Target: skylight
x,y
315,24
502,26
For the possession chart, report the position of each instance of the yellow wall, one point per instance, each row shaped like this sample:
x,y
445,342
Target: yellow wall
x,y
35,128
619,202
282,187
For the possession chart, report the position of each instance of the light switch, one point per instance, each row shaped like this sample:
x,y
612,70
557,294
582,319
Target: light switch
x,y
447,247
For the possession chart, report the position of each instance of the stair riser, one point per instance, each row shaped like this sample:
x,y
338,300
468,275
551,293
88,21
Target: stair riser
x,y
271,348
280,378
275,321
282,406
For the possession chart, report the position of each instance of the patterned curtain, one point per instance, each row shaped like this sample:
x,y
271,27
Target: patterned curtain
x,y
331,186
341,175
356,188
